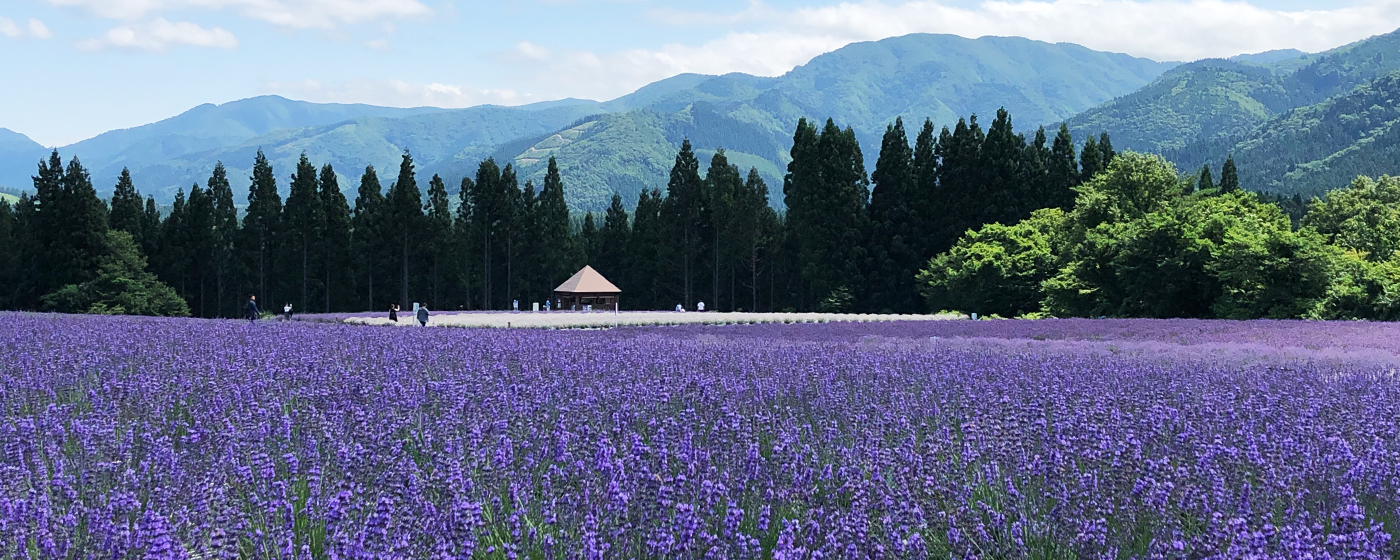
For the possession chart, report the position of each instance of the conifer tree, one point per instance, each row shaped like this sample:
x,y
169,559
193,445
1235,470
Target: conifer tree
x,y
439,236
588,238
684,210
80,234
613,240
925,204
404,205
753,225
1002,197
303,220
225,223
150,227
1229,176
1062,170
9,255
172,258
1034,171
722,184
645,266
463,246
489,216
801,194
1106,148
1090,159
892,221
45,223
262,225
552,228
200,242
126,207
1205,181
368,234
336,239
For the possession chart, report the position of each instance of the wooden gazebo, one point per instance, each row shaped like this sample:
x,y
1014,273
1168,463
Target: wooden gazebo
x,y
587,288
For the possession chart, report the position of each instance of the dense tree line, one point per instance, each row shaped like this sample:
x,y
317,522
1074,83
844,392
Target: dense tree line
x,y
848,241
1143,241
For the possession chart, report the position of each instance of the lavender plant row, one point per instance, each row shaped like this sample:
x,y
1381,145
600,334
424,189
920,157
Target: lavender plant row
x,y
150,438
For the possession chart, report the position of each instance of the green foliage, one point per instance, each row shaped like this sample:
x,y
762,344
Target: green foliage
x,y
996,269
121,286
1364,217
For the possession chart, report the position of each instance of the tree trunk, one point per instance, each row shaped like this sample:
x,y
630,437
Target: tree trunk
x,y
403,288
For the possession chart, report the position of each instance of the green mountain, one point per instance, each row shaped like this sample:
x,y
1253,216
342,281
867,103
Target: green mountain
x,y
1323,146
19,159
863,85
1212,103
628,143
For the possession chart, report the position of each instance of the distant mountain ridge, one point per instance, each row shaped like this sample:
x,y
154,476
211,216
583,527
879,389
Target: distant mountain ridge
x,y
632,139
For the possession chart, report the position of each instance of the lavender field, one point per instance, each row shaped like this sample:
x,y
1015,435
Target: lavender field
x,y
153,438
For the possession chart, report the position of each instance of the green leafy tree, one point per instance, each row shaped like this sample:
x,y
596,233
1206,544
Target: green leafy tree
x,y
1364,217
121,285
996,269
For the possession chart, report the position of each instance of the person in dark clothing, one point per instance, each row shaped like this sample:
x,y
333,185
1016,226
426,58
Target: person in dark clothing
x,y
252,308
423,315
394,312
287,311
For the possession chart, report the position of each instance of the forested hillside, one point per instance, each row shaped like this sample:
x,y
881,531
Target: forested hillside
x,y
863,85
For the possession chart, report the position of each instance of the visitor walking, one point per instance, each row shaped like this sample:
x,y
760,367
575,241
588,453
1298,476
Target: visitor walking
x,y
252,308
700,307
287,312
394,312
423,315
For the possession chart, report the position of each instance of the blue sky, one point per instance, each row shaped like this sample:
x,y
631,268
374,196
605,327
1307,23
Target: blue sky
x,y
70,69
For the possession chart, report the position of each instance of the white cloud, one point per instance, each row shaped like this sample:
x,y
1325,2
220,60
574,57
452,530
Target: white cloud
x,y
299,14
35,29
396,93
158,35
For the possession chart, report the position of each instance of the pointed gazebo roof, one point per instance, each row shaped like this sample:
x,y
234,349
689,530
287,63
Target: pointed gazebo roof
x,y
587,281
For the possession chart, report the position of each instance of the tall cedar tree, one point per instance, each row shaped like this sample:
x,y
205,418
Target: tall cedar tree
x,y
1206,181
261,233
722,183
71,220
552,226
826,191
1229,176
45,221
200,241
439,238
1063,172
645,272
959,180
463,247
22,291
150,227
336,242
368,233
514,217
1090,159
225,236
533,285
684,212
404,217
893,222
303,218
926,205
172,258
588,238
613,241
126,207
1035,171
752,226
1003,198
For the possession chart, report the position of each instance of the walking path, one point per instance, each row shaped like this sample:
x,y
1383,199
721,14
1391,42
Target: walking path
x,y
601,319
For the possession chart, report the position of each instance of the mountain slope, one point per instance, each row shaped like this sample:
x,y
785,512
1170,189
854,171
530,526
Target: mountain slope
x,y
1324,146
863,85
1213,102
19,159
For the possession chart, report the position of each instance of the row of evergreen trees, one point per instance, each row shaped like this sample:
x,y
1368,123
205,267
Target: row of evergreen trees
x,y
849,241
